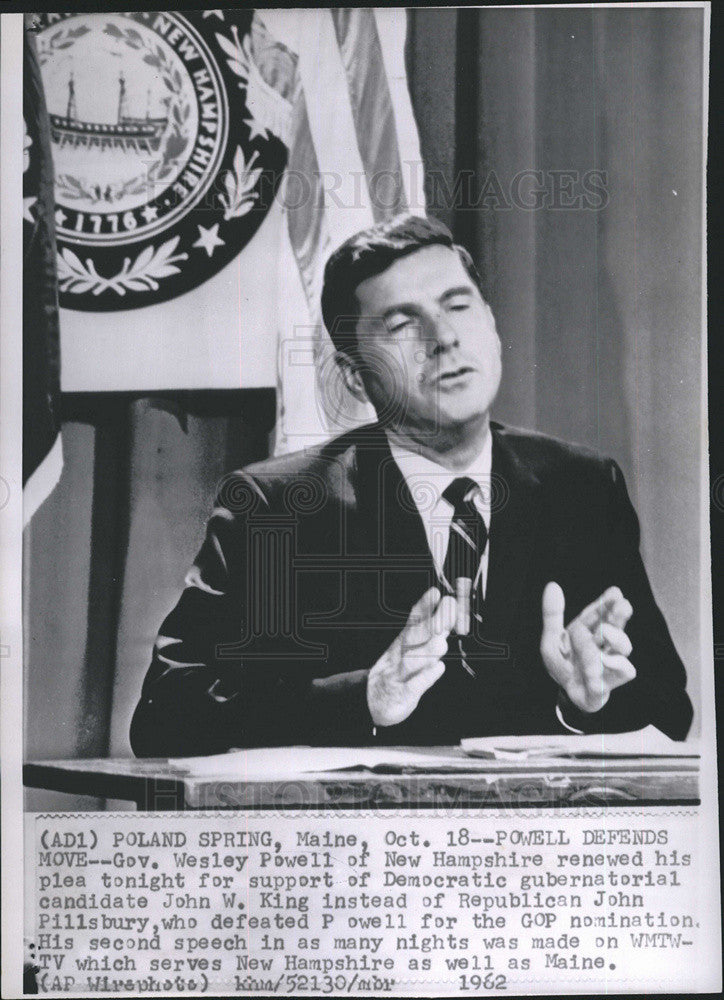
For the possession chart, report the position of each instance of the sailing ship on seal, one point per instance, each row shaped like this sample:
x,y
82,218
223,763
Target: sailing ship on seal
x,y
127,133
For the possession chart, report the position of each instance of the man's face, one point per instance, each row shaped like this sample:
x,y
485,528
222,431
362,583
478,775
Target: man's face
x,y
427,343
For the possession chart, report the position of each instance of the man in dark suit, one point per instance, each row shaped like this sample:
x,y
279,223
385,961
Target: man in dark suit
x,y
426,578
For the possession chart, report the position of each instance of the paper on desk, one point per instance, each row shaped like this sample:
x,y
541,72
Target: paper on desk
x,y
649,742
284,762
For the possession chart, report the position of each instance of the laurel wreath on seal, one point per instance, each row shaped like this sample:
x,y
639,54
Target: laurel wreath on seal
x,y
239,184
63,38
72,188
141,276
270,111
75,188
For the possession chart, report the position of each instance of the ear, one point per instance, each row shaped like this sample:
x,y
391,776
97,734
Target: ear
x,y
495,327
351,375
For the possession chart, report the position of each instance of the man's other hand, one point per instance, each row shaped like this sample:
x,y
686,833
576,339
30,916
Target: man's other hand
x,y
589,658
413,662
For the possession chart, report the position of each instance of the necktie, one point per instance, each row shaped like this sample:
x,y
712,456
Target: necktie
x,y
466,545
468,534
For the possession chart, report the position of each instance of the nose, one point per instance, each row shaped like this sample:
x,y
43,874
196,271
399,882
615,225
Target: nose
x,y
442,334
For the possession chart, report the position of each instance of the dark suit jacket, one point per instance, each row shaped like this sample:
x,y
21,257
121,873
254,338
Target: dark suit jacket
x,y
311,565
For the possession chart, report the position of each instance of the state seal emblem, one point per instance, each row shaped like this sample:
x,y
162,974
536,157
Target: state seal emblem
x,y
168,144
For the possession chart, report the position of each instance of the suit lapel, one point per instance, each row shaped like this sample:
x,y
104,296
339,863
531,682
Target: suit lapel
x,y
392,529
513,527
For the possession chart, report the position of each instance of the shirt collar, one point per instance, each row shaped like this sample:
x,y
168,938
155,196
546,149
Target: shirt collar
x,y
427,480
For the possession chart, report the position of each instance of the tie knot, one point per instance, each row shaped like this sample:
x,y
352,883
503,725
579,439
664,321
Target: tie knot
x,y
460,491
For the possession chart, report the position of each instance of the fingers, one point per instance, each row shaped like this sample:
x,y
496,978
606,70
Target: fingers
x,y
440,621
413,662
554,606
610,607
554,643
424,640
601,671
463,591
444,618
597,611
418,629
618,670
620,612
391,699
583,646
425,607
424,680
612,640
418,659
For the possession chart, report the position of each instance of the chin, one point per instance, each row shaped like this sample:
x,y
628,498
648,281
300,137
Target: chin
x,y
459,416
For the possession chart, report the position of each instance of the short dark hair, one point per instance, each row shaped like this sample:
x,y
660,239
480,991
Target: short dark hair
x,y
371,252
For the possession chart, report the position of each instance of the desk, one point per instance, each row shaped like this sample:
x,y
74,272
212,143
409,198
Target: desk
x,y
466,784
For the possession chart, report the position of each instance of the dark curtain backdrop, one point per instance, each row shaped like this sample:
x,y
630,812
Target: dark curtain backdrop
x,y
599,314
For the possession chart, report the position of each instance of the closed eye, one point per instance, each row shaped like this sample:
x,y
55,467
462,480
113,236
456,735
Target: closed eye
x,y
458,302
399,324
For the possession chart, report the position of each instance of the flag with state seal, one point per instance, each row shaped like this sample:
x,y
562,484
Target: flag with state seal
x,y
206,164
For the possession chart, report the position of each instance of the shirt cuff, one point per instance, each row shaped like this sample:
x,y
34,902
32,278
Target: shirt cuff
x,y
571,729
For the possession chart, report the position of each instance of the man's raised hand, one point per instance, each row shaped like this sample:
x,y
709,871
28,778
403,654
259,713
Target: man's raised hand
x,y
589,658
413,662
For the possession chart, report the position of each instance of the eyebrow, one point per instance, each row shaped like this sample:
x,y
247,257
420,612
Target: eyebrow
x,y
411,307
459,290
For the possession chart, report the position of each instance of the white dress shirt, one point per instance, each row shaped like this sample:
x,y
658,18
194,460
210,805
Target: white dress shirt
x,y
427,481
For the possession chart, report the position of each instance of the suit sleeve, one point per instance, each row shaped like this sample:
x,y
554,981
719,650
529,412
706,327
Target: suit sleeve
x,y
214,683
657,695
